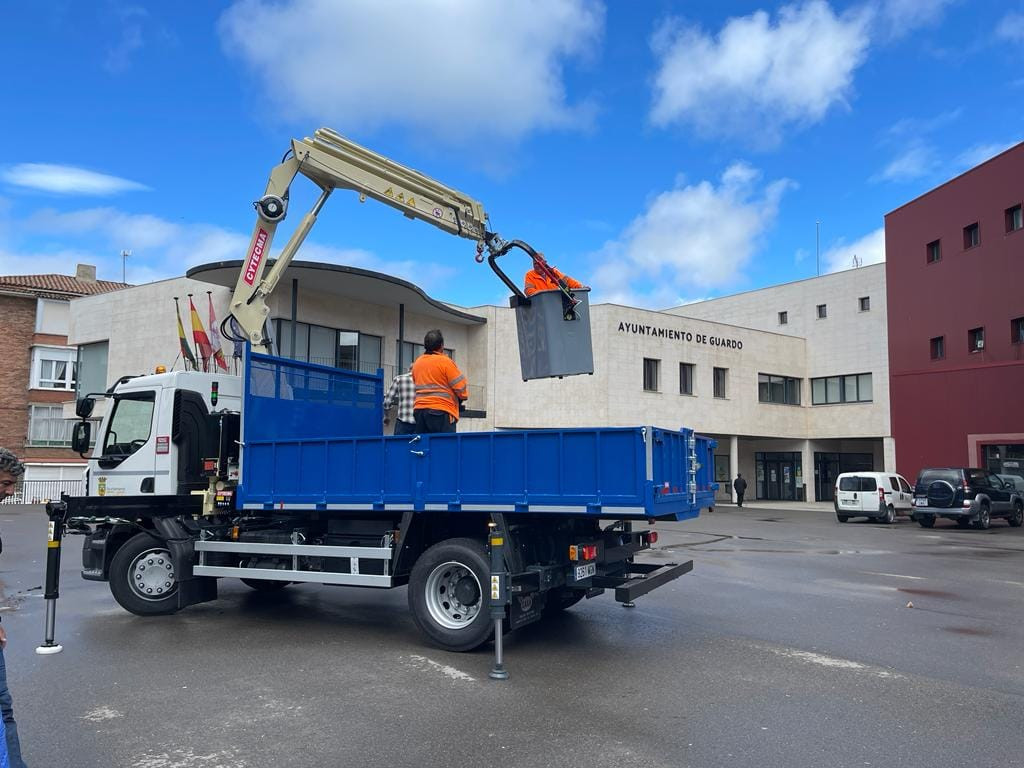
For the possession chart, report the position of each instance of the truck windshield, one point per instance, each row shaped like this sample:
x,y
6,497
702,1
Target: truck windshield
x,y
130,424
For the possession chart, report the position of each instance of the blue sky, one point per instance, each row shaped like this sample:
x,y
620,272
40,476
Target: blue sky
x,y
659,151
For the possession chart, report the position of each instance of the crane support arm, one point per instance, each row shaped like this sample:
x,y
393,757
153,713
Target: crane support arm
x,y
333,162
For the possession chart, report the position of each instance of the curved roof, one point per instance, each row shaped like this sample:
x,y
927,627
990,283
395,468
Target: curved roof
x,y
351,282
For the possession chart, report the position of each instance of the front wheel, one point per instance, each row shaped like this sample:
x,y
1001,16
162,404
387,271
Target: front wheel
x,y
446,594
1016,518
890,515
142,577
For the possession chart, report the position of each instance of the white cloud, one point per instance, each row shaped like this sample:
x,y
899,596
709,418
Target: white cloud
x,y
870,249
896,18
758,74
1011,27
451,70
118,58
67,180
979,153
915,161
692,238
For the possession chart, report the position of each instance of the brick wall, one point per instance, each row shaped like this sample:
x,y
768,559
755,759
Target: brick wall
x,y
18,321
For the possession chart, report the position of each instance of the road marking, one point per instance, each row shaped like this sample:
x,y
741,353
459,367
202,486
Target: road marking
x,y
895,575
101,713
179,758
830,661
452,672
1015,583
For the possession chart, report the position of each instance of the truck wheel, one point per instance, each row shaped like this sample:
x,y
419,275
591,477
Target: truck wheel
x,y
142,577
927,521
560,599
265,585
984,518
1016,518
446,594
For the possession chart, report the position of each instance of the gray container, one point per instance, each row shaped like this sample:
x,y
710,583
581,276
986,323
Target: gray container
x,y
550,345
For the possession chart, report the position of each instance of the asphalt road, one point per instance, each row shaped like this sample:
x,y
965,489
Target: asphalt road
x,y
792,643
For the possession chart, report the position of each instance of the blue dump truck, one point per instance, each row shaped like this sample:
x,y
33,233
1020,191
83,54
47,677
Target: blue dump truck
x,y
283,476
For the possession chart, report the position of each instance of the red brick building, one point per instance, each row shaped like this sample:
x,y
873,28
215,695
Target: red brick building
x,y
955,284
38,373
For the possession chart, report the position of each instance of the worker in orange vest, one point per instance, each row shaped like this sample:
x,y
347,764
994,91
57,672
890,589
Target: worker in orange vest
x,y
440,387
536,281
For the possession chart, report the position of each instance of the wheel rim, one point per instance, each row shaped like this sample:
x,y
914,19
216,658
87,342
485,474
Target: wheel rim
x,y
453,594
890,515
151,575
1018,514
983,517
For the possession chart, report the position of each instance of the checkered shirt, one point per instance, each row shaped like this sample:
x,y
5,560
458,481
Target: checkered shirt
x,y
402,393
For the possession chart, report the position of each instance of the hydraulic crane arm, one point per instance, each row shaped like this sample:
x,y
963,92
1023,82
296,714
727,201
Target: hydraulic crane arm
x,y
333,162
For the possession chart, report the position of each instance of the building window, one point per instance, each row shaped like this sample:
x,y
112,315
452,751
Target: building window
x,y
784,390
47,426
938,347
53,368
854,388
349,350
410,351
1013,219
651,367
865,303
719,381
1017,330
783,318
822,311
933,251
686,378
975,339
972,235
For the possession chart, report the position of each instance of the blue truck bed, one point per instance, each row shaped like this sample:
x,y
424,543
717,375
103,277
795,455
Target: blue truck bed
x,y
313,439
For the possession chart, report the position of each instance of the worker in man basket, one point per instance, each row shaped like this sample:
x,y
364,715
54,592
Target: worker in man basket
x,y
543,277
440,387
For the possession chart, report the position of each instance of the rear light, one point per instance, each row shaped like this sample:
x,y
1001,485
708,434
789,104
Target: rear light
x,y
881,494
583,552
652,537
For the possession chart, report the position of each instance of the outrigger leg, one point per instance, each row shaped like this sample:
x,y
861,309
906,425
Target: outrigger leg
x,y
57,511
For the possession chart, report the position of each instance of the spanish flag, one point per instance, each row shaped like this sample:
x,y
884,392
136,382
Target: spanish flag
x,y
186,351
199,336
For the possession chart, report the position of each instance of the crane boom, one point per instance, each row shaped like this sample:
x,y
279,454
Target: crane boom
x,y
332,162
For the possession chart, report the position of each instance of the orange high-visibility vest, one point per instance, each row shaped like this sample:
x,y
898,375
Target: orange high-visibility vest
x,y
440,384
537,282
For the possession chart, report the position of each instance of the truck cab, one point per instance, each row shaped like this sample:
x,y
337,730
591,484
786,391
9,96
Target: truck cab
x,y
157,431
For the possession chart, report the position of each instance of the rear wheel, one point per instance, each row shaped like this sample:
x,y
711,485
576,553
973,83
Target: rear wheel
x,y
842,518
963,522
446,594
927,521
142,577
1016,517
984,518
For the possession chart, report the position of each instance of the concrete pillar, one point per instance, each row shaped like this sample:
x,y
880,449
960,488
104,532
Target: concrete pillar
x,y
807,460
889,454
734,465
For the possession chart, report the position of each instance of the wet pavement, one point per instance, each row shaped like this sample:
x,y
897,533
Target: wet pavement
x,y
796,641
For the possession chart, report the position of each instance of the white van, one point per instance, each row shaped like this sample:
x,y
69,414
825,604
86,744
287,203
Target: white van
x,y
879,495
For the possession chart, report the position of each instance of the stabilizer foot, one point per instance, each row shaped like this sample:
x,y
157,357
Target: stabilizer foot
x,y
49,650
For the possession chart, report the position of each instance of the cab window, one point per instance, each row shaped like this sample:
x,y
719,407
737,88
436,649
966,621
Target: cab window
x,y
904,486
894,483
130,424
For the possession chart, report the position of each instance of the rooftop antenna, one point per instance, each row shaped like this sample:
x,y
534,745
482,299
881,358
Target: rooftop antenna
x,y
124,262
857,261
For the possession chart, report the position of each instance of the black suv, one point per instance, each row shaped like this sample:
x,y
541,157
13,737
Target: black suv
x,y
967,495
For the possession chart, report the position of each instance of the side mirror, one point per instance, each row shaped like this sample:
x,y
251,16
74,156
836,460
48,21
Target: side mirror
x,y
84,406
80,436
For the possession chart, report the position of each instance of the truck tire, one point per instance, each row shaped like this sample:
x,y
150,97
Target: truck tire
x,y
265,585
1016,517
142,577
446,594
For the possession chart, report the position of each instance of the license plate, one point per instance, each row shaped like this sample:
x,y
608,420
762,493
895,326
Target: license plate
x,y
848,502
920,502
585,571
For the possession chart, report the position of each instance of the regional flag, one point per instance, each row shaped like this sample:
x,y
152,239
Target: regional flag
x,y
199,336
186,351
215,341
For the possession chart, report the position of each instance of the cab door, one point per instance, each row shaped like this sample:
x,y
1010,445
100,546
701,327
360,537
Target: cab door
x,y
125,460
999,494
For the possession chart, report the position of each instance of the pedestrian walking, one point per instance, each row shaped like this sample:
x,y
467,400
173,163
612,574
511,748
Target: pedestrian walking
x,y
740,486
11,470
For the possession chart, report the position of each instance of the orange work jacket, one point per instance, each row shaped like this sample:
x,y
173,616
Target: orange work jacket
x,y
537,282
440,384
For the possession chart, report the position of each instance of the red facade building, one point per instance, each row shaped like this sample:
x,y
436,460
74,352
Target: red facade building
x,y
955,285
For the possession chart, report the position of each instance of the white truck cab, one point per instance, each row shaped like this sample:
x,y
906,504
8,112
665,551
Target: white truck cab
x,y
148,442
